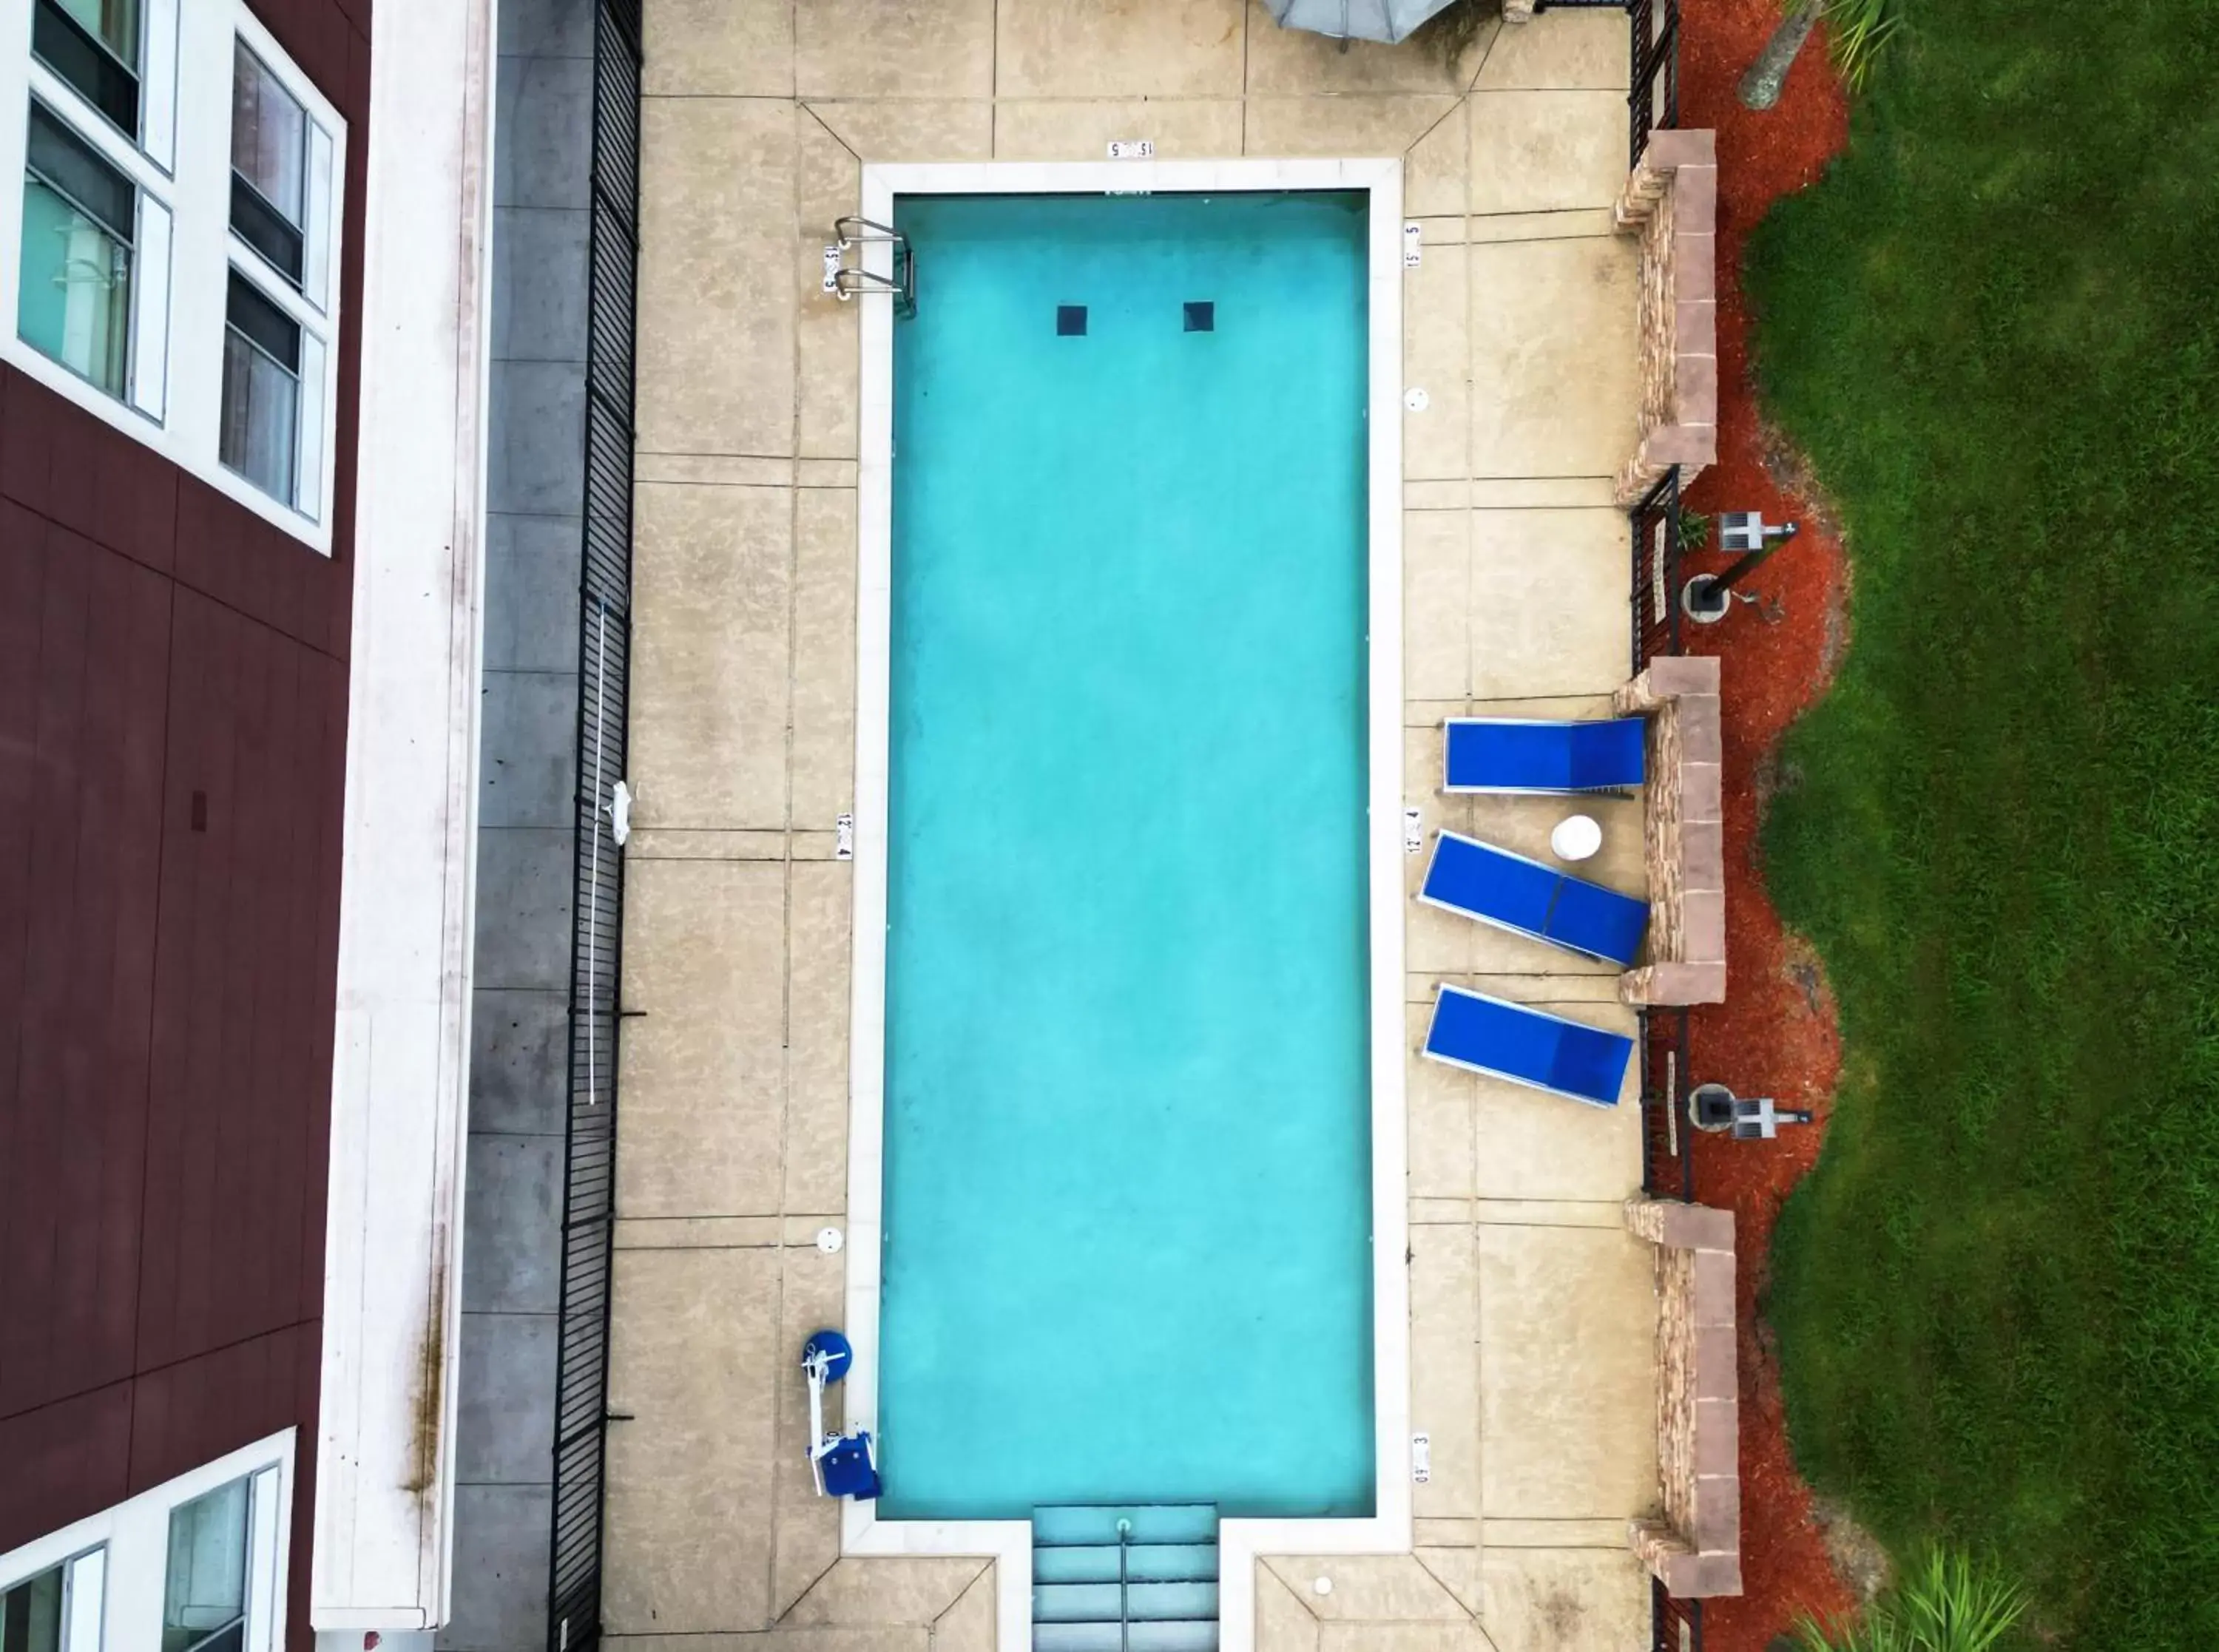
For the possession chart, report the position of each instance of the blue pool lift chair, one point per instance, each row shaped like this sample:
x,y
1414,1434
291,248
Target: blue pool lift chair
x,y
849,1468
844,1465
1512,892
1528,1046
1502,754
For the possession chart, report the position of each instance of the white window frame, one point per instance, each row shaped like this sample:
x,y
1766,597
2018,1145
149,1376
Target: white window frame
x,y
134,1539
174,399
85,1595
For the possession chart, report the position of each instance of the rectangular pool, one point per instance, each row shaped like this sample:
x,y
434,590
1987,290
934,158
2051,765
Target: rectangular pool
x,y
1127,1179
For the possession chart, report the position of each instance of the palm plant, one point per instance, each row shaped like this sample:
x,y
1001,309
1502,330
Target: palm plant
x,y
1855,30
1949,1603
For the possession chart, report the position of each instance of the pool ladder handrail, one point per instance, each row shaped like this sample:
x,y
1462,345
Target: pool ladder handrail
x,y
846,281
1124,1585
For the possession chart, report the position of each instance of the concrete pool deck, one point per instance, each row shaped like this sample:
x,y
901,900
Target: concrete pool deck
x,y
1533,1312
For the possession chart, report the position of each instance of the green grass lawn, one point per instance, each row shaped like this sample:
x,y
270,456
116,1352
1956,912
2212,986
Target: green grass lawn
x,y
1994,327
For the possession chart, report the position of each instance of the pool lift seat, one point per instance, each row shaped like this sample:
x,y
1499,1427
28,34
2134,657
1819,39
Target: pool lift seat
x,y
843,1465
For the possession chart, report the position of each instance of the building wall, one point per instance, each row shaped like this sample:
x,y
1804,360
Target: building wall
x,y
173,681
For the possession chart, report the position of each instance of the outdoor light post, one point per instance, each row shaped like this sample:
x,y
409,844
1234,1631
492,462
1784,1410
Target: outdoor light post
x,y
1717,1110
1706,597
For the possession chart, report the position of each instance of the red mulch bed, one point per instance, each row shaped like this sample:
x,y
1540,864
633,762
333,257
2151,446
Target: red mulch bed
x,y
1775,1034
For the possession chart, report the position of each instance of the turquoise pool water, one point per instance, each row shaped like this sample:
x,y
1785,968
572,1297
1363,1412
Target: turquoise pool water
x,y
1127,1139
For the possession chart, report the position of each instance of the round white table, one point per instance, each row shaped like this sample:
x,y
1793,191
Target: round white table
x,y
1575,838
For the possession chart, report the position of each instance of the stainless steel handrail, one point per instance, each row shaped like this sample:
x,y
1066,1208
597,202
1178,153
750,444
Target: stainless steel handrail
x,y
1124,1587
870,230
851,280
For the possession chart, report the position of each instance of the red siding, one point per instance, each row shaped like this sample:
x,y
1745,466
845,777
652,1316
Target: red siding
x,y
88,735
74,1455
241,1026
172,752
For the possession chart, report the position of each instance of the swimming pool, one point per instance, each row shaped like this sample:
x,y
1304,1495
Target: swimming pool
x,y
1127,1180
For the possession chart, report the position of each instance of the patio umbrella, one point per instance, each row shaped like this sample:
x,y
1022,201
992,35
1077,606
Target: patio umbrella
x,y
1356,20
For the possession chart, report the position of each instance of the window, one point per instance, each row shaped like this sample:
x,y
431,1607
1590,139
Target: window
x,y
221,1575
274,346
93,234
58,1610
79,217
195,1564
261,389
94,45
269,165
176,238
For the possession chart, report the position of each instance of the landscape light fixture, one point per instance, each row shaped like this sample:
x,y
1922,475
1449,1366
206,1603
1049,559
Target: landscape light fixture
x,y
1717,1110
1706,598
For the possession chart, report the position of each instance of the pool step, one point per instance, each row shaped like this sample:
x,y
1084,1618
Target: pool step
x,y
1091,1603
1144,1562
1150,1587
1186,1637
1065,1526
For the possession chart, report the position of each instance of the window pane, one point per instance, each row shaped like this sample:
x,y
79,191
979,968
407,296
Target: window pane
x,y
260,412
85,1603
260,428
265,325
261,227
74,299
269,135
204,1591
31,1614
70,165
113,23
94,47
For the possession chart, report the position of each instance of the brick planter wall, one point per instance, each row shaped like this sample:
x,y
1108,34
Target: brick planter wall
x,y
1670,200
1693,1545
1683,833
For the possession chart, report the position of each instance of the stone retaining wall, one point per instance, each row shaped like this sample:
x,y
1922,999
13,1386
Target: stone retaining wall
x,y
1693,1545
1670,200
1683,833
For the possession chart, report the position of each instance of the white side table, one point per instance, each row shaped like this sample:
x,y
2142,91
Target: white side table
x,y
1575,838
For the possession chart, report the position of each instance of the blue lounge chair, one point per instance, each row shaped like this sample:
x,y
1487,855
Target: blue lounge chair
x,y
1512,892
1500,754
1528,1046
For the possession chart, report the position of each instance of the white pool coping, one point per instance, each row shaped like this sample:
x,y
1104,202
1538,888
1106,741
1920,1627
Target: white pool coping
x,y
1239,1541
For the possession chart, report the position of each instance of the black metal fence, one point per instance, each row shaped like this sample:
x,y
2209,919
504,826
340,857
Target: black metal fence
x,y
1654,80
1668,1168
1676,1625
1654,526
574,1587
1654,98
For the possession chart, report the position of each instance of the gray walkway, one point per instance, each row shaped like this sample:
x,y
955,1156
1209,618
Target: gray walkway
x,y
512,1251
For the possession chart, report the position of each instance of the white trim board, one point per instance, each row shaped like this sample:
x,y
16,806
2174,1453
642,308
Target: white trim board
x,y
392,1303
1239,1541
